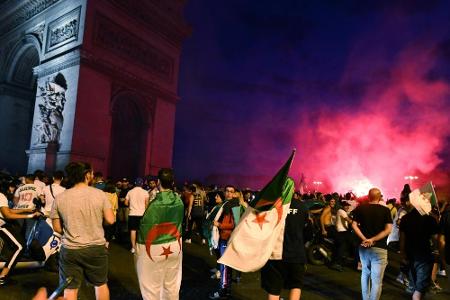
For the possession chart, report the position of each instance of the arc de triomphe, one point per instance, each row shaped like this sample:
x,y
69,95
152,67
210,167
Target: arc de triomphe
x,y
90,80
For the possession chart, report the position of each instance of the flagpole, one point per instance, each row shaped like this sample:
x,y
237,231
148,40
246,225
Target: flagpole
x,y
437,202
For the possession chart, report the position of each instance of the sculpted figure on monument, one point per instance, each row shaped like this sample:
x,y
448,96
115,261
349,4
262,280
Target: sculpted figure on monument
x,y
53,95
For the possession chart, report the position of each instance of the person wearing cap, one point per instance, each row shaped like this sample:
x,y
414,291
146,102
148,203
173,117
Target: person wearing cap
x,y
343,235
137,199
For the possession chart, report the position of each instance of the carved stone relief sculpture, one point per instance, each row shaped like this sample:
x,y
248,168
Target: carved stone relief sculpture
x,y
51,120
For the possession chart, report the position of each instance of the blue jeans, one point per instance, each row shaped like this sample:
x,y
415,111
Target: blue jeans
x,y
420,273
374,262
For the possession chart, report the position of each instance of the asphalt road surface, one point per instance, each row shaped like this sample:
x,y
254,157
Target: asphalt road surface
x,y
320,282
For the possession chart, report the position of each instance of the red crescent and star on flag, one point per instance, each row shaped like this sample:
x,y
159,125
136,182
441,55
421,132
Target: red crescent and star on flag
x,y
156,231
260,218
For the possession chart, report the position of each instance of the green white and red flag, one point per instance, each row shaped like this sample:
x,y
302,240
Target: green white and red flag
x,y
424,198
161,227
259,234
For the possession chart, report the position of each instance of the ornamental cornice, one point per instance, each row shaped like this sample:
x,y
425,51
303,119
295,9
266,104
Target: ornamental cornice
x,y
24,13
56,65
128,79
174,31
123,43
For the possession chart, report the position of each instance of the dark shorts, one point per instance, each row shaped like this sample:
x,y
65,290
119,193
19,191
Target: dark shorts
x,y
420,273
134,222
277,274
89,263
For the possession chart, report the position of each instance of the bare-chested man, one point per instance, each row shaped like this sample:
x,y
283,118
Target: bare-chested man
x,y
325,219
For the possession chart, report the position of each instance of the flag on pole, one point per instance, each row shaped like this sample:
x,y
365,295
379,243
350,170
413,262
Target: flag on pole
x,y
259,234
423,199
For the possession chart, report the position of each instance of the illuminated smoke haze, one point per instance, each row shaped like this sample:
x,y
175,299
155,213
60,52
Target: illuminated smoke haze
x,y
399,128
362,92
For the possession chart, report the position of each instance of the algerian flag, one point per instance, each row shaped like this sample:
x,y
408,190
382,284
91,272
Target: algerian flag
x,y
423,199
259,234
160,227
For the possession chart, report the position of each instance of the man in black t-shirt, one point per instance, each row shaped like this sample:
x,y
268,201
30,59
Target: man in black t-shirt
x,y
444,239
415,234
288,272
372,223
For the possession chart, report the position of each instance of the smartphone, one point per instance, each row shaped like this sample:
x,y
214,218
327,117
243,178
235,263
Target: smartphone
x,y
60,289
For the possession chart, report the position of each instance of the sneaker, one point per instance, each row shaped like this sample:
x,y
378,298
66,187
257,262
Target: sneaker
x,y
401,278
3,281
132,250
216,275
188,241
409,290
203,242
435,287
442,273
220,294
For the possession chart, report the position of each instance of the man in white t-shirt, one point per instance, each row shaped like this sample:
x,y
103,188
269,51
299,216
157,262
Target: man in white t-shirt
x,y
52,190
24,198
137,199
343,235
11,235
25,194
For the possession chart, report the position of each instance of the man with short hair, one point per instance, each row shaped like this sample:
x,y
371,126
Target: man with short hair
x,y
137,199
25,194
122,213
26,197
416,231
99,182
326,224
39,176
153,189
78,214
225,222
289,271
444,238
343,236
372,223
159,254
52,190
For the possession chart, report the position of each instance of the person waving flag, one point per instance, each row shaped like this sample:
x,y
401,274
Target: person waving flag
x,y
257,236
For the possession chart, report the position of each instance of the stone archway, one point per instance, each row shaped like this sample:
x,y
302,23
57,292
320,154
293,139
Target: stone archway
x,y
128,136
17,102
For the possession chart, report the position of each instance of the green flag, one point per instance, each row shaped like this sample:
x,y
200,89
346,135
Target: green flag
x,y
423,199
428,191
273,191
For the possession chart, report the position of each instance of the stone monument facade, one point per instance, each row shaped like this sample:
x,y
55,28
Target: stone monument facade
x,y
90,80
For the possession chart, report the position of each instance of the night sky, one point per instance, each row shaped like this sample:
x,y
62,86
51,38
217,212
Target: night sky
x,y
360,88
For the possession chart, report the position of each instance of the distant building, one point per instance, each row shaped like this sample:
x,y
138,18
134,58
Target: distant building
x,y
91,80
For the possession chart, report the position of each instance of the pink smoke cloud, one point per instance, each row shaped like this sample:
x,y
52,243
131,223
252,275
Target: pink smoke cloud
x,y
399,128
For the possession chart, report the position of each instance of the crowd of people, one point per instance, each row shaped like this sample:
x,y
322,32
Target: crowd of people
x,y
156,217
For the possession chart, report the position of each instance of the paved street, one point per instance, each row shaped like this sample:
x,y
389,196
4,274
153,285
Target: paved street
x,y
320,282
